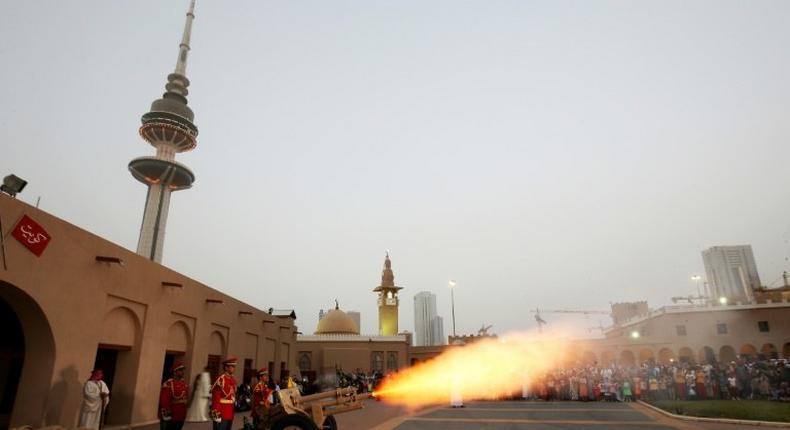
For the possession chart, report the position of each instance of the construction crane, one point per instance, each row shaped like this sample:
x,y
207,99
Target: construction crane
x,y
541,322
484,330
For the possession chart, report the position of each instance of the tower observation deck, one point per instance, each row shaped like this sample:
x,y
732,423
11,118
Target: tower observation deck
x,y
168,127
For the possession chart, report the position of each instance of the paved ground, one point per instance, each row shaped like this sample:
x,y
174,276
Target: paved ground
x,y
506,415
547,415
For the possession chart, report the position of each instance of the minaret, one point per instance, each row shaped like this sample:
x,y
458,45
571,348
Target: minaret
x,y
388,300
167,127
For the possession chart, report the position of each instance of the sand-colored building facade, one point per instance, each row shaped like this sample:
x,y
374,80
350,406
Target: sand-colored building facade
x,y
86,302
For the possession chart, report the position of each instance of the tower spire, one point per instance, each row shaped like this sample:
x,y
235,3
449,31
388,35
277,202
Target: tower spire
x,y
183,48
168,127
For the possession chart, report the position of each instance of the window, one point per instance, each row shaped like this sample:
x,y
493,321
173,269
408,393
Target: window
x,y
681,330
377,362
763,326
721,328
304,361
392,361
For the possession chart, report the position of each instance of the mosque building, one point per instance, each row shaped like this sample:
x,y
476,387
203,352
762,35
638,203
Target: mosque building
x,y
338,345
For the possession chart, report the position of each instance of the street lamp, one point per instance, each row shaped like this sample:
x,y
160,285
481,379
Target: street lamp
x,y
723,300
696,278
452,302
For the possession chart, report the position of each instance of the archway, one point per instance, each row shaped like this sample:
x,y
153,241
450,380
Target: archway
x,y
570,358
707,355
686,355
216,350
666,356
748,351
607,358
588,358
118,356
769,351
727,354
627,358
26,368
12,356
178,341
646,356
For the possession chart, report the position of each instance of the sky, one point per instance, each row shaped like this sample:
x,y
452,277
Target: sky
x,y
557,154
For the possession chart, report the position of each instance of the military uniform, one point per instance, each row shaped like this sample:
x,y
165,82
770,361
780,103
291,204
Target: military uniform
x,y
261,396
173,402
223,398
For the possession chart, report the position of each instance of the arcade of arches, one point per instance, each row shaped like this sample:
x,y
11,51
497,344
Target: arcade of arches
x,y
664,355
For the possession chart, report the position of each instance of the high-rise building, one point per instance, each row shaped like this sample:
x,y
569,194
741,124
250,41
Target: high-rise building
x,y
388,300
168,127
731,272
356,317
428,327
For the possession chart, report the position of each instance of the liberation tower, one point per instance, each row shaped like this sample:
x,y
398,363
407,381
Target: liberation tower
x,y
167,127
388,300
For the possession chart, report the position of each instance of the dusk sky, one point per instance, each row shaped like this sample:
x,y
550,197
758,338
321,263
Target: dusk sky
x,y
560,154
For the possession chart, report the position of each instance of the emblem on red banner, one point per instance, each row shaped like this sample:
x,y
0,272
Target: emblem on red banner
x,y
32,235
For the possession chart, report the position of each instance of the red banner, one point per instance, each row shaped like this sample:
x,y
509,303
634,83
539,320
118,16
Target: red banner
x,y
32,235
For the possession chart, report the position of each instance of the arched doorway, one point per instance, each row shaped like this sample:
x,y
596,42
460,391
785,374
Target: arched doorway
x,y
769,351
12,356
686,355
26,366
118,356
588,358
178,341
627,358
607,358
215,353
748,351
707,355
666,356
646,356
727,354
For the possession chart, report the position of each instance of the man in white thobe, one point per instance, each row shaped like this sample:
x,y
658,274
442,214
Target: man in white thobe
x,y
198,409
95,397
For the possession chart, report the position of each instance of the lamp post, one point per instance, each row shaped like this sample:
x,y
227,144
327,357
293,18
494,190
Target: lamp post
x,y
696,279
452,303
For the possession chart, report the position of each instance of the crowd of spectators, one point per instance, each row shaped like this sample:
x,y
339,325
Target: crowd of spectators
x,y
744,379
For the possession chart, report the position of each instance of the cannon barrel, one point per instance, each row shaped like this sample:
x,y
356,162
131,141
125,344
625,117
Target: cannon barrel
x,y
338,392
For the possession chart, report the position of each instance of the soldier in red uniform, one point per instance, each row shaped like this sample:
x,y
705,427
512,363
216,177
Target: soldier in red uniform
x,y
261,396
173,400
223,396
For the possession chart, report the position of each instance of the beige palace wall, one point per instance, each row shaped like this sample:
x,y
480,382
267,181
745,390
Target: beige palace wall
x,y
661,339
350,352
69,305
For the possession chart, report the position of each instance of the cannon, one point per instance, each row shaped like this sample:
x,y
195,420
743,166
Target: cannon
x,y
313,412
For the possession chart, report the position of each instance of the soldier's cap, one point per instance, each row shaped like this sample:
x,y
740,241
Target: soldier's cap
x,y
263,371
177,365
230,361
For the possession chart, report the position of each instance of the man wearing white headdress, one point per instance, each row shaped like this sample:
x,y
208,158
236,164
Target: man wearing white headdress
x,y
95,397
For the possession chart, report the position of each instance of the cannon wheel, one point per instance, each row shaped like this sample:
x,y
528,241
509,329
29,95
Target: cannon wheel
x,y
294,422
329,423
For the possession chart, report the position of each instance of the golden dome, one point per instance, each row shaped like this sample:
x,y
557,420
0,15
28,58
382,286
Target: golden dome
x,y
337,322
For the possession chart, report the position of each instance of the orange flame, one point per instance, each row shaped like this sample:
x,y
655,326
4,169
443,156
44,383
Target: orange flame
x,y
486,369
